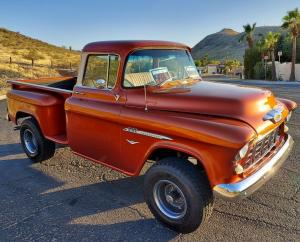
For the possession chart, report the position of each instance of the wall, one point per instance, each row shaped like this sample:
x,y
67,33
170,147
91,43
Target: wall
x,y
211,69
283,71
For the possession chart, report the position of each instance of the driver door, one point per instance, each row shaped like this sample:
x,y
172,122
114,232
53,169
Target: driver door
x,y
93,112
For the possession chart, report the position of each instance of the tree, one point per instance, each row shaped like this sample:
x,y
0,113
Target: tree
x,y
291,22
248,34
270,42
252,56
231,65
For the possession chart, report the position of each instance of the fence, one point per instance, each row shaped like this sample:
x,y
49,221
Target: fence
x,y
16,69
283,71
50,64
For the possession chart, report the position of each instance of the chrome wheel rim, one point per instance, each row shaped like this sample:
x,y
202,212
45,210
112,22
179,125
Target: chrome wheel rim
x,y
30,142
169,199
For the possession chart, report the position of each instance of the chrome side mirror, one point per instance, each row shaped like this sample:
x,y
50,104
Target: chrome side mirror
x,y
101,83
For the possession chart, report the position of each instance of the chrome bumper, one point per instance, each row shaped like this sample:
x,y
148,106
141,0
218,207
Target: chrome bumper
x,y
250,184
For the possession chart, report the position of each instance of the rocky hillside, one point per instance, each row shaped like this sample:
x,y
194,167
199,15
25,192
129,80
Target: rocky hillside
x,y
225,44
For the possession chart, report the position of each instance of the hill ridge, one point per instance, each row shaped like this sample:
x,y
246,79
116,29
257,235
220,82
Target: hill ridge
x,y
225,44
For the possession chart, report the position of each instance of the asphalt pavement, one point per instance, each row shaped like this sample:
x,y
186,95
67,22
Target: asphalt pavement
x,y
68,198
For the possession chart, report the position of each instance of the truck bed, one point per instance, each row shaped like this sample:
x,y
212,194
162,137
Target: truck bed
x,y
44,100
55,83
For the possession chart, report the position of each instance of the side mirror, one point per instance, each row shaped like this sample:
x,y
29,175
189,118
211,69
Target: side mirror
x,y
101,83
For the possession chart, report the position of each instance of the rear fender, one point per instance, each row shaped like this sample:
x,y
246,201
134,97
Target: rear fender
x,y
47,109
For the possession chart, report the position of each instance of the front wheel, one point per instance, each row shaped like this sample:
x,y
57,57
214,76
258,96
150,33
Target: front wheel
x,y
178,194
35,145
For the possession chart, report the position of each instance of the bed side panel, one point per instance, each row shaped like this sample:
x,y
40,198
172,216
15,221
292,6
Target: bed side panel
x,y
47,108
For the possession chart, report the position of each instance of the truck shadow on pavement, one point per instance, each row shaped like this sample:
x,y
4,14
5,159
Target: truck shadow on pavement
x,y
37,206
10,149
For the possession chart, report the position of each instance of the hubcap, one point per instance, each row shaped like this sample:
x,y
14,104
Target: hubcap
x,y
30,142
169,199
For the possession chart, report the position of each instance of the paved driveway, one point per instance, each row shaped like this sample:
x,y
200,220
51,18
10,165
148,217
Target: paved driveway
x,y
68,198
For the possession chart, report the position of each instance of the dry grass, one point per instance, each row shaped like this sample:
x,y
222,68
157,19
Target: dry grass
x,y
15,71
21,49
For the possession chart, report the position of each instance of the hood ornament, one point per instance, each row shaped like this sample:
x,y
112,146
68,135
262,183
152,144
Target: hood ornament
x,y
275,115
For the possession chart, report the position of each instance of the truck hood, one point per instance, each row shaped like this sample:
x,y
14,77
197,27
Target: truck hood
x,y
247,104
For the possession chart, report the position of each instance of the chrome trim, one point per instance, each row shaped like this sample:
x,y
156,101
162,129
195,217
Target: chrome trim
x,y
40,86
174,207
252,183
274,115
132,142
145,133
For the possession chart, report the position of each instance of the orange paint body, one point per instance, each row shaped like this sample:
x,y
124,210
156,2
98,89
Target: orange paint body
x,y
208,121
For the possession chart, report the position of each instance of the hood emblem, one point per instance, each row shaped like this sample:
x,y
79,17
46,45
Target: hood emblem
x,y
275,115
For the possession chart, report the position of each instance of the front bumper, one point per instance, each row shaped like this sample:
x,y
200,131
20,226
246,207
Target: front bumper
x,y
250,184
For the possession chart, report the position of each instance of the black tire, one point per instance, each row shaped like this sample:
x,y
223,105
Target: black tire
x,y
194,186
42,148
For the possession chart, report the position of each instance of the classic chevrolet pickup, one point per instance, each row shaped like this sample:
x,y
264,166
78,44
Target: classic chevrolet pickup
x,y
135,101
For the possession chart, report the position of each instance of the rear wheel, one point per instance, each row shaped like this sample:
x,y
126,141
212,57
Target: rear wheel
x,y
35,145
178,194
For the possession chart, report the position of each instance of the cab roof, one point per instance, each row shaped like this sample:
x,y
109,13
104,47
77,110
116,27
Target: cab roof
x,y
129,45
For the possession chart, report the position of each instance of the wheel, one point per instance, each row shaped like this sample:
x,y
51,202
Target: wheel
x,y
36,147
178,194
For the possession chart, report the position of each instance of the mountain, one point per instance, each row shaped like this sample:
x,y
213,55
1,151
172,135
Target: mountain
x,y
225,44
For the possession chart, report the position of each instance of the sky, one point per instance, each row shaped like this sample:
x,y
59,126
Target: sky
x,y
77,22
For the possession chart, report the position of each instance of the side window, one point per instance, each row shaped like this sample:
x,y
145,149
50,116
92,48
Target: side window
x,y
101,71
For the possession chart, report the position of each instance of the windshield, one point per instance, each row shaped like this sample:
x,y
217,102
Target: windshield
x,y
160,67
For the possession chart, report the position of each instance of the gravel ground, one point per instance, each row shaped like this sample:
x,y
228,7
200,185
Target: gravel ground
x,y
68,198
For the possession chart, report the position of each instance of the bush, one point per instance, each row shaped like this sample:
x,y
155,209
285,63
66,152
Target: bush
x,y
252,56
259,71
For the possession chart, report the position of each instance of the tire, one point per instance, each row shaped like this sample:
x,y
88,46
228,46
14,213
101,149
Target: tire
x,y
178,194
34,144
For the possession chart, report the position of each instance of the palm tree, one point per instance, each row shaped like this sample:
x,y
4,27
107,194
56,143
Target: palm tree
x,y
291,22
248,34
270,42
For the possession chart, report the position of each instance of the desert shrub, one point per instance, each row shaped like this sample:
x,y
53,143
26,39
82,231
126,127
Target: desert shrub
x,y
259,71
33,54
252,56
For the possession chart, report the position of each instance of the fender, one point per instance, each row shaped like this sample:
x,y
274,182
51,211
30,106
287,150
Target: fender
x,y
291,105
210,161
43,107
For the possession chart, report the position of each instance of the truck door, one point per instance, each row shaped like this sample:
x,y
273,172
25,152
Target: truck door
x,y
93,111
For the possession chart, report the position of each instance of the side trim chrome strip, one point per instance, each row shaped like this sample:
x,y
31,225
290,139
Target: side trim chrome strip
x,y
145,133
40,86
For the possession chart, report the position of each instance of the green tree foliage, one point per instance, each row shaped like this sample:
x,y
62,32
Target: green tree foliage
x,y
270,42
291,22
259,71
248,34
252,56
231,65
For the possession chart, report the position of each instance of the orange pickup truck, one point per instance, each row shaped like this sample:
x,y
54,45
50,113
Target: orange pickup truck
x,y
135,101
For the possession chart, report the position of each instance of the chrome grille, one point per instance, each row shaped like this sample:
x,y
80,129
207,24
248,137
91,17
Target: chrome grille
x,y
261,148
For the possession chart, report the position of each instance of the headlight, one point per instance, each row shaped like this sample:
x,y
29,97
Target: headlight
x,y
244,151
289,116
240,155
